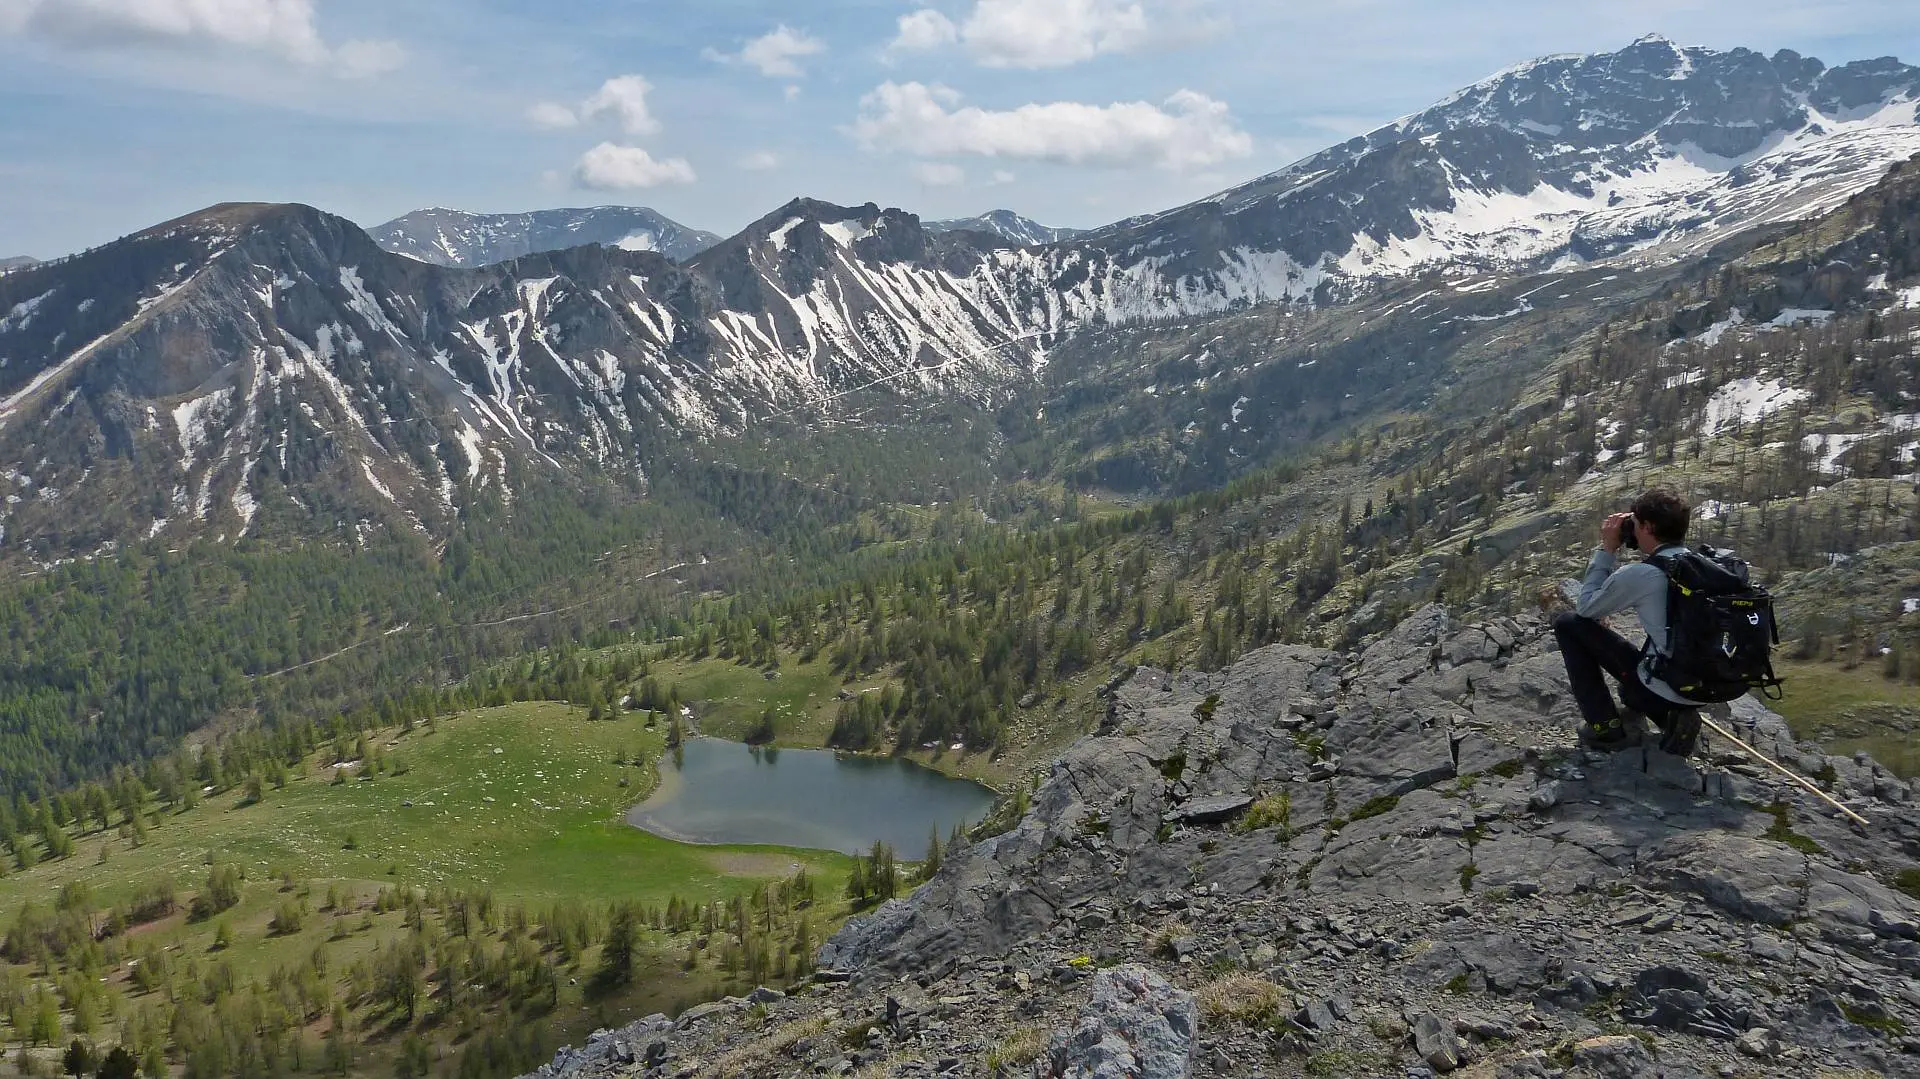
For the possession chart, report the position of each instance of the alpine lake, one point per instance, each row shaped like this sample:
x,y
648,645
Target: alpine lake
x,y
713,791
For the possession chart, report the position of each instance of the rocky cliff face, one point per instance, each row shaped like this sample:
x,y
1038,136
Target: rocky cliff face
x,y
1387,863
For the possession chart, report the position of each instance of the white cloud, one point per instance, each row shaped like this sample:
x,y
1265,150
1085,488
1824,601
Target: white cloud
x,y
608,167
624,98
283,28
1189,131
762,161
1032,33
552,116
927,29
939,174
1002,176
775,54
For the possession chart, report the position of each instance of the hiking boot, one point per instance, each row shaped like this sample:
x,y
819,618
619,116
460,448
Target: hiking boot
x,y
1607,738
1680,733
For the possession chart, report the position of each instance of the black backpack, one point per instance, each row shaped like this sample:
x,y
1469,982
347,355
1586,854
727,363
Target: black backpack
x,y
1720,628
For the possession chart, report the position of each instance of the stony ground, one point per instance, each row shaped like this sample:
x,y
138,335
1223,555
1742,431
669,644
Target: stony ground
x,y
1395,863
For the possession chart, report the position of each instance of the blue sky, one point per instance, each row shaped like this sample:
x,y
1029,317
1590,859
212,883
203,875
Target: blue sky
x,y
117,114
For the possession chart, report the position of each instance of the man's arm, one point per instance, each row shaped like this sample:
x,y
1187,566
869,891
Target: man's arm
x,y
1599,594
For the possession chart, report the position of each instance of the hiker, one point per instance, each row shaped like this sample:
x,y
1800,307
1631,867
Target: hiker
x,y
1656,524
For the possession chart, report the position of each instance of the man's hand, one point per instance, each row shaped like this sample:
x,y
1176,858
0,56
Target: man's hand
x,y
1610,532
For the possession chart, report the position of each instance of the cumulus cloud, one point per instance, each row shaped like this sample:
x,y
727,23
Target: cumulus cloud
x,y
608,167
927,29
625,100
283,28
939,174
622,99
1052,33
775,55
1031,33
1187,131
762,161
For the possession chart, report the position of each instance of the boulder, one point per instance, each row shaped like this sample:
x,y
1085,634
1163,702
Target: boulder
x,y
1137,1026
1614,1057
1435,1041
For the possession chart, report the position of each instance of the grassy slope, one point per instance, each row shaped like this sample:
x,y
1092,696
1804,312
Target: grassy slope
x,y
525,800
1854,709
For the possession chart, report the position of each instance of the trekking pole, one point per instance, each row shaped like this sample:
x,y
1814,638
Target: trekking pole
x,y
1782,769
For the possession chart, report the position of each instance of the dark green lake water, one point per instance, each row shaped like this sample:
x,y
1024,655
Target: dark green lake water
x,y
725,792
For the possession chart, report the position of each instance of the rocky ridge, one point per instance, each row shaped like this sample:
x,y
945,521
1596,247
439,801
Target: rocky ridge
x,y
1389,862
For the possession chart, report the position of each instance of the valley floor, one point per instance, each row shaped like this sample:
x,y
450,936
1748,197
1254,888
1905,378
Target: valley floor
x,y
500,826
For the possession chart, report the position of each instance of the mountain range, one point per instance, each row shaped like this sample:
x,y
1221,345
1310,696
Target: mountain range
x,y
257,369
16,262
458,238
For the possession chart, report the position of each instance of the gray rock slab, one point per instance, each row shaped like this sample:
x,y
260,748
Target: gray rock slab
x,y
1137,1026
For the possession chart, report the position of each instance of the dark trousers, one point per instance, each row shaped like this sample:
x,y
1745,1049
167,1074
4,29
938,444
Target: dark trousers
x,y
1589,649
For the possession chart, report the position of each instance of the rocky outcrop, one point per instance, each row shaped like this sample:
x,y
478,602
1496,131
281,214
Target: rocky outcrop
x,y
1137,1026
1395,862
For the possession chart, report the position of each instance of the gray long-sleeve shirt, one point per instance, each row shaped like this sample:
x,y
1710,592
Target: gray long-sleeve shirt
x,y
1609,589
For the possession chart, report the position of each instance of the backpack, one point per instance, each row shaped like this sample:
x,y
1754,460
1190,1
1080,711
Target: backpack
x,y
1720,628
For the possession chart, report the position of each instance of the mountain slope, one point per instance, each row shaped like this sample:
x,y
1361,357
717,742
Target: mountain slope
x,y
275,360
1389,862
458,238
1008,226
16,262
1570,157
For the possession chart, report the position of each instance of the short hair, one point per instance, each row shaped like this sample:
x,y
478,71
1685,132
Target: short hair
x,y
1667,512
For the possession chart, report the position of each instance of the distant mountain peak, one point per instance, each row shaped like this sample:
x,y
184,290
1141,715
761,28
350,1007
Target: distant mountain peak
x,y
1007,225
461,238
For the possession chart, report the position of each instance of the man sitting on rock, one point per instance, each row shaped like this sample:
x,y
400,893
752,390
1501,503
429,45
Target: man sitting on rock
x,y
1656,523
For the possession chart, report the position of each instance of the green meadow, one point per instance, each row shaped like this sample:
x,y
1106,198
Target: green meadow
x,y
522,803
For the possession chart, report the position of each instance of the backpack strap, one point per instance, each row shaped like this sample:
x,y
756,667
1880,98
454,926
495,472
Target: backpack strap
x,y
1666,564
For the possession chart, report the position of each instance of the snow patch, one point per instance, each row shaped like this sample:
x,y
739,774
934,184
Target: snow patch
x,y
191,420
846,233
367,468
1793,316
470,445
779,235
22,312
1746,400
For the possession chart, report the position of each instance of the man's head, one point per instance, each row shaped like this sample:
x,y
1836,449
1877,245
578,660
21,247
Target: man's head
x,y
1664,515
